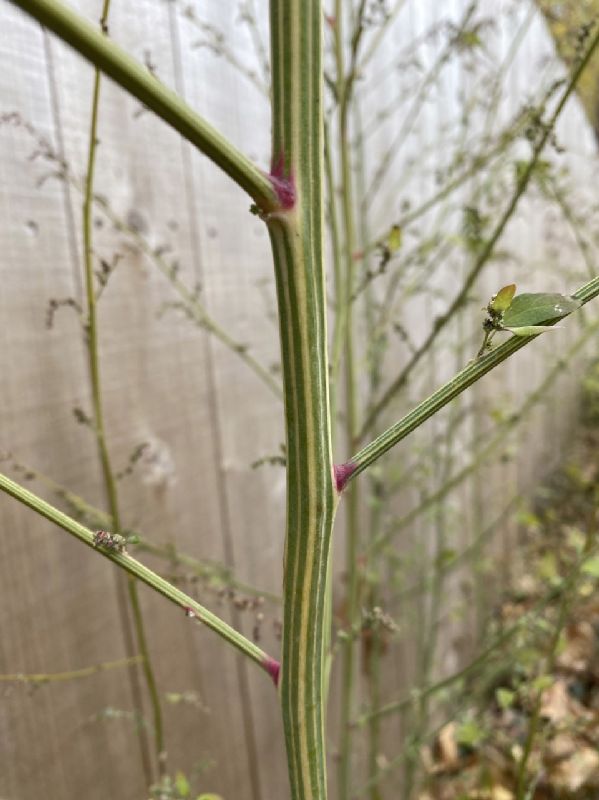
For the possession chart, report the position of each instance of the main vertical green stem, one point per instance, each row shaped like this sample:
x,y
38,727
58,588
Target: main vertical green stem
x,y
296,232
98,414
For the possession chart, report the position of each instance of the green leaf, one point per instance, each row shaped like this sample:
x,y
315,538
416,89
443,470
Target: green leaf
x,y
591,567
470,733
542,683
532,309
209,797
505,698
394,239
529,330
182,785
501,301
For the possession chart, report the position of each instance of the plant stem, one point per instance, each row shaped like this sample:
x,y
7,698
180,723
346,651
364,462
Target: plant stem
x,y
444,395
98,413
142,84
74,674
524,623
566,600
493,446
345,331
211,571
296,238
488,249
138,570
372,646
190,302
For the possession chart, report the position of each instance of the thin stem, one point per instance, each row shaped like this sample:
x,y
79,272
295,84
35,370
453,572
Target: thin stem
x,y
212,571
378,37
138,570
98,414
191,304
489,246
217,43
570,217
492,447
444,395
524,623
566,600
39,678
372,646
477,163
345,330
410,117
142,84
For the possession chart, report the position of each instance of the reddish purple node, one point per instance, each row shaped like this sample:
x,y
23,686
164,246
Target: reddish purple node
x,y
283,184
273,667
343,473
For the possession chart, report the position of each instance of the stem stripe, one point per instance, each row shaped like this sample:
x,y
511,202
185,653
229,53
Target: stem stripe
x,y
296,236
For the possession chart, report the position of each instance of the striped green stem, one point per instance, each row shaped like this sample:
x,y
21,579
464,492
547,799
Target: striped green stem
x,y
145,575
543,138
142,84
494,445
296,236
444,395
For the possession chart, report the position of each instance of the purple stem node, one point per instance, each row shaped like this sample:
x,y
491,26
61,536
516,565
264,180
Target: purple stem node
x,y
273,667
283,183
343,473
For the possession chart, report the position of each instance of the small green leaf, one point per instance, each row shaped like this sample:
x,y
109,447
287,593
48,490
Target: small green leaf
x,y
394,239
505,698
542,683
537,308
470,733
445,558
209,797
529,330
547,567
182,785
591,567
501,301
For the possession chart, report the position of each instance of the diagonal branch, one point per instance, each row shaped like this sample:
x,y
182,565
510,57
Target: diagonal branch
x,y
139,82
138,570
543,137
444,395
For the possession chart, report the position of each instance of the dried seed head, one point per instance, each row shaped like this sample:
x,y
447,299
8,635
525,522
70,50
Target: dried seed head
x,y
110,541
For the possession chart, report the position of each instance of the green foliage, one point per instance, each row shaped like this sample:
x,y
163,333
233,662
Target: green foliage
x,y
532,309
470,734
591,567
505,697
524,315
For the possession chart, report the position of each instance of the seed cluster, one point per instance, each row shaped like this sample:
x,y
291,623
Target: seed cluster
x,y
110,541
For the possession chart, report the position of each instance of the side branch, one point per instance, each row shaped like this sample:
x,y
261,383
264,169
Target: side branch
x,y
449,391
544,136
138,570
111,59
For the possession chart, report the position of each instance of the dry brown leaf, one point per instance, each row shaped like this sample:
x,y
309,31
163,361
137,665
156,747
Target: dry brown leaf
x,y
447,749
579,649
580,769
555,702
